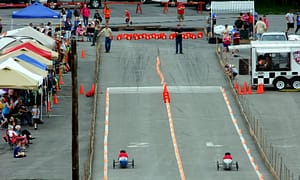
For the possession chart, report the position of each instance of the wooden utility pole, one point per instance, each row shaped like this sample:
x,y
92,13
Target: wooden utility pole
x,y
75,159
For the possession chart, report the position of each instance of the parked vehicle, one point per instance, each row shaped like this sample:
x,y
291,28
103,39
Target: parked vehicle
x,y
274,36
57,4
275,63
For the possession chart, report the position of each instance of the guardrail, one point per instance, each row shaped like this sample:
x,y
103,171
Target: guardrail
x,y
273,159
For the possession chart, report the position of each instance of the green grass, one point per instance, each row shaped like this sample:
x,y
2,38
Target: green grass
x,y
275,9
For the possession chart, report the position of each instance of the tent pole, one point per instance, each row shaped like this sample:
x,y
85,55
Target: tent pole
x,y
41,105
211,23
11,23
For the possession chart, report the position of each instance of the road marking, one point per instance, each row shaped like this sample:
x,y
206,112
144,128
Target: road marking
x,y
239,131
105,143
171,89
172,130
138,145
211,144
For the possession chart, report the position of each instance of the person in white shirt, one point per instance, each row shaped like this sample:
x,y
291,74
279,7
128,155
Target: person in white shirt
x,y
290,20
108,37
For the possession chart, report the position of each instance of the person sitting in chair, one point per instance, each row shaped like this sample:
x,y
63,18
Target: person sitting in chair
x,y
123,158
227,158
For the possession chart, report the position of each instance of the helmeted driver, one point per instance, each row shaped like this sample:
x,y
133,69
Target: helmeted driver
x,y
227,158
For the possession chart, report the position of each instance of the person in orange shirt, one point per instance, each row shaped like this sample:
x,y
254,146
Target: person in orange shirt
x,y
106,13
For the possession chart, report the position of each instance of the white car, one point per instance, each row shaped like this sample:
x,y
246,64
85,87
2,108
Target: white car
x,y
274,36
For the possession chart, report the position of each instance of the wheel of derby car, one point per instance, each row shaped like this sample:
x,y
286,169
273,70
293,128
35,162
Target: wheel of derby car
x,y
237,166
132,163
114,164
218,166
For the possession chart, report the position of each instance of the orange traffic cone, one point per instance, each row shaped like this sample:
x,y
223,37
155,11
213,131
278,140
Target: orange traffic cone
x,y
260,89
245,88
236,85
89,93
55,100
48,106
240,91
81,89
61,80
165,88
249,89
82,53
93,88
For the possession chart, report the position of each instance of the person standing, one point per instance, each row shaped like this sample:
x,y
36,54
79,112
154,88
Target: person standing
x,y
97,16
178,38
76,12
266,21
85,12
69,13
226,42
180,12
127,17
97,30
68,28
298,22
290,19
208,26
108,37
260,28
106,13
35,111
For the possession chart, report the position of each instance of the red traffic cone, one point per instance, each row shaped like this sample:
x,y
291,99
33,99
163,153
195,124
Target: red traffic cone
x,y
81,89
93,88
48,106
260,89
240,91
236,85
249,89
55,100
82,53
245,88
61,80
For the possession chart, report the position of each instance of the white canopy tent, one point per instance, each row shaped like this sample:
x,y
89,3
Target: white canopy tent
x,y
10,63
231,7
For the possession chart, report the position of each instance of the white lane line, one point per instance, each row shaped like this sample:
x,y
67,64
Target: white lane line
x,y
171,89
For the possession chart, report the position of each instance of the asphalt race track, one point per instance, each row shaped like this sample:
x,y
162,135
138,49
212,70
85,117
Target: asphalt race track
x,y
203,122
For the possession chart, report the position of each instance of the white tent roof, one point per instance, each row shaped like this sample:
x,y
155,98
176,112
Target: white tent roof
x,y
10,63
11,41
31,33
232,6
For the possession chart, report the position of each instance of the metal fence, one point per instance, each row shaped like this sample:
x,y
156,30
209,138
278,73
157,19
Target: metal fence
x,y
273,159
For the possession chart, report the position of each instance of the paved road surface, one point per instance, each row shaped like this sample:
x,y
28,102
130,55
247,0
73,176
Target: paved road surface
x,y
133,64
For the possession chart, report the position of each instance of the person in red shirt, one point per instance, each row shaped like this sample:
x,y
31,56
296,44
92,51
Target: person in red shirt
x,y
250,22
127,17
180,12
